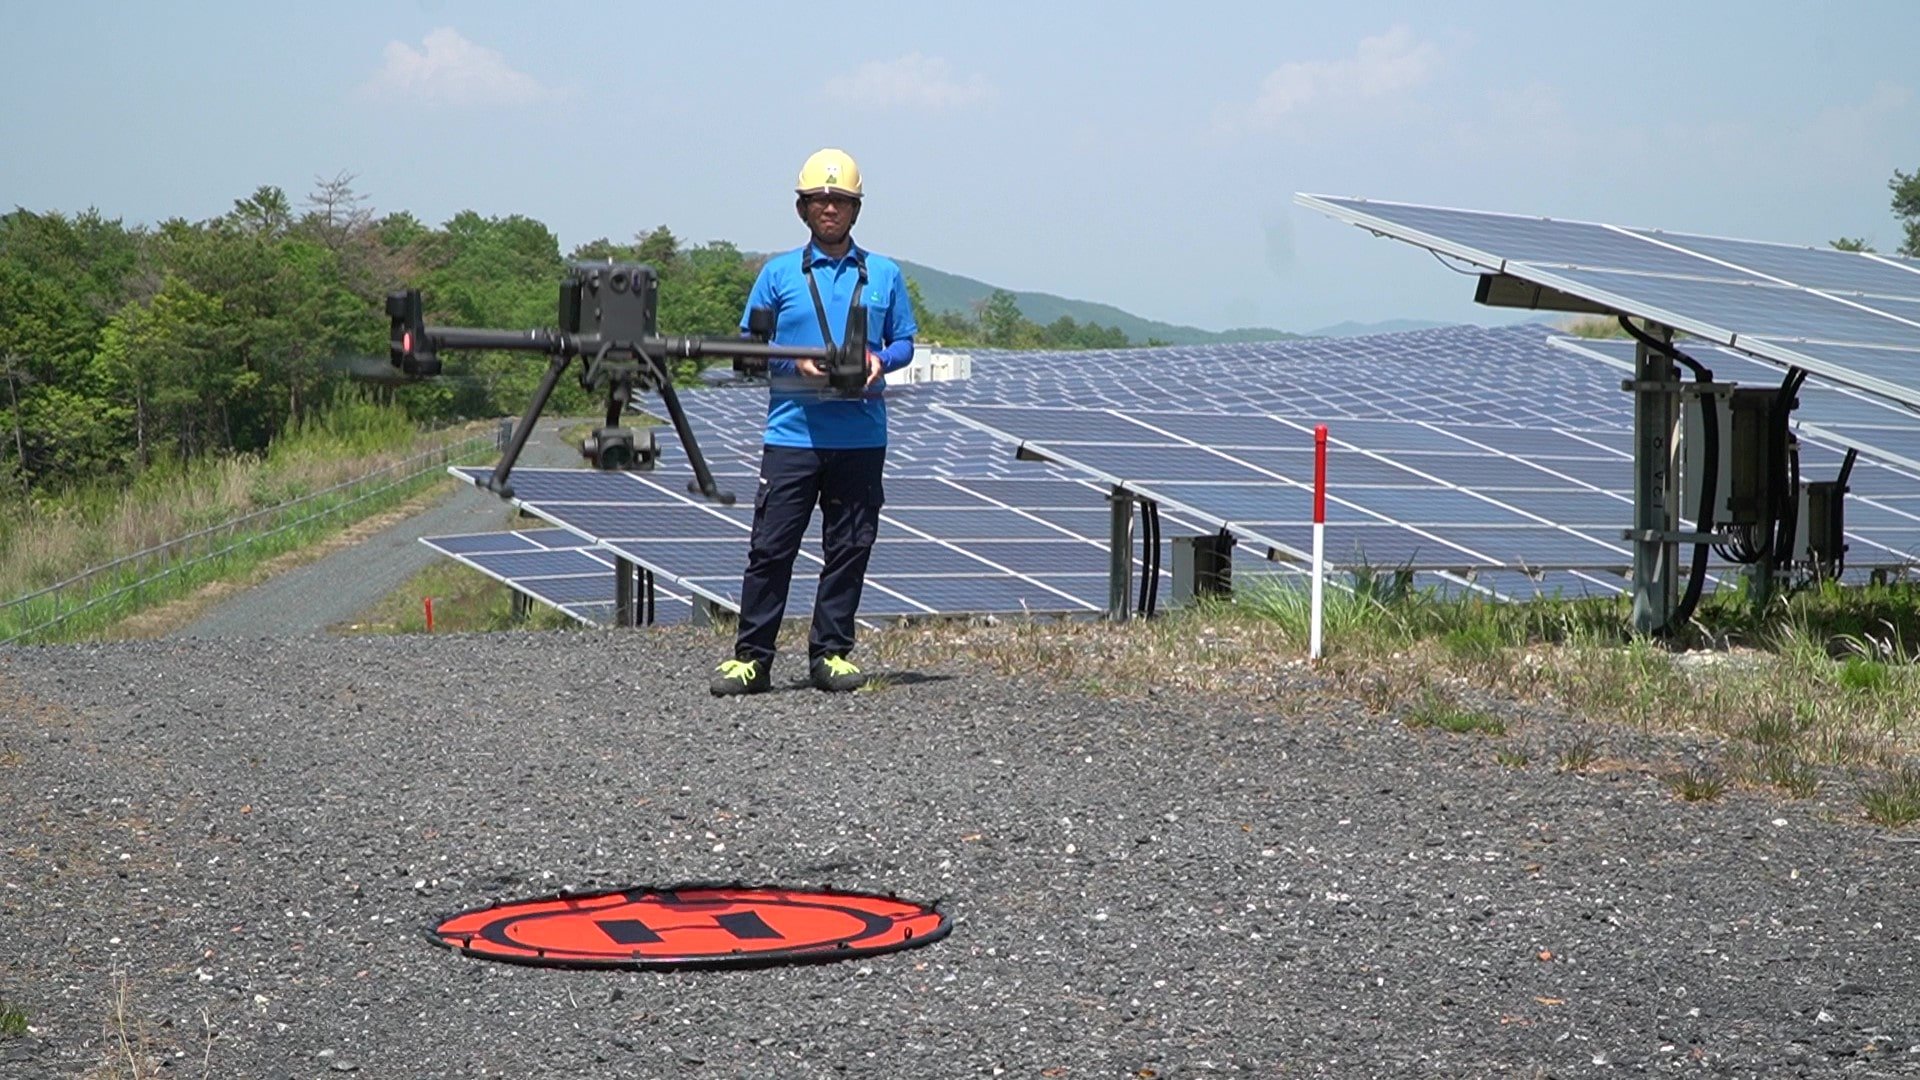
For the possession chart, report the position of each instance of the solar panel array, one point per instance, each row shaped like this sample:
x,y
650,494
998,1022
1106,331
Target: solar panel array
x,y
988,545
555,567
1454,453
1851,316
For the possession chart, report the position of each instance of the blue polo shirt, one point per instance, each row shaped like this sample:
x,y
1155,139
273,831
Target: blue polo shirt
x,y
806,412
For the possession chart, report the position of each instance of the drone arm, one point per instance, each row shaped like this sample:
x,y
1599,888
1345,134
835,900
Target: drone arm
x,y
550,342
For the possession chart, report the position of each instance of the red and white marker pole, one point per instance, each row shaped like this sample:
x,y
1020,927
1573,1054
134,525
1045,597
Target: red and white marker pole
x,y
1319,538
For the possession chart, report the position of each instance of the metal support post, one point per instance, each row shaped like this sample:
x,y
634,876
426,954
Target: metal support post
x,y
625,608
1656,491
522,607
1120,555
704,612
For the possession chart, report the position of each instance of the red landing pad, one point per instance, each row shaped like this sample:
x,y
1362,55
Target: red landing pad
x,y
694,926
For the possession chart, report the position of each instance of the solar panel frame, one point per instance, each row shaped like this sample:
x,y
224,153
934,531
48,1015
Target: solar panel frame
x,y
1453,232
580,586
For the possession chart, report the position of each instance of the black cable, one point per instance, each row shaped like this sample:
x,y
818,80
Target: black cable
x,y
1149,557
1786,477
1153,594
1709,484
1839,499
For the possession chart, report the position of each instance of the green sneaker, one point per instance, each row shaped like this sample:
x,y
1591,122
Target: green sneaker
x,y
836,675
741,677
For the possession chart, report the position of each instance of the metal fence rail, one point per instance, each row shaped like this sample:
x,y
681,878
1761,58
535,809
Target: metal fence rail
x,y
132,574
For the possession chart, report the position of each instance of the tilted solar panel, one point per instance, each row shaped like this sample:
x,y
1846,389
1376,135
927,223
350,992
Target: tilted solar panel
x,y
1792,305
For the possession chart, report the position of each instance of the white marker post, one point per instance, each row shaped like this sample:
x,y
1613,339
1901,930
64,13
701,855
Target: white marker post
x,y
1319,537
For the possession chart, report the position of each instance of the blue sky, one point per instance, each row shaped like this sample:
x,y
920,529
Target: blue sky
x,y
1116,151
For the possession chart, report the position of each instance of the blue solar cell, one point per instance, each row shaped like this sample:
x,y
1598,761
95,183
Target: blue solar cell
x,y
986,594
566,485
684,557
518,564
1029,557
1872,478
1028,494
1243,502
610,522
1066,424
930,492
1486,473
1385,546
1863,513
922,557
1217,430
1898,541
1579,508
591,588
1543,241
1542,443
1392,437
1763,311
1905,508
1813,268
1430,506
984,524
479,542
1540,544
1289,464
1149,464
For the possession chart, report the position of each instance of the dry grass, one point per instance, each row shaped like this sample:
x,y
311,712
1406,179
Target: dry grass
x,y
48,541
130,1052
1801,712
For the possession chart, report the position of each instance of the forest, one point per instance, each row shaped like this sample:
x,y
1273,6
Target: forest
x,y
123,347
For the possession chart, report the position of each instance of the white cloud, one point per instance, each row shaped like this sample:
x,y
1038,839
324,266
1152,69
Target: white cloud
x,y
450,70
913,81
1381,67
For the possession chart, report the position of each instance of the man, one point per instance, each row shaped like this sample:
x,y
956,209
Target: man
x,y
820,447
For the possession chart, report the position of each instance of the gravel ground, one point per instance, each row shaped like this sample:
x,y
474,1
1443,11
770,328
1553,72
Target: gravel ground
x,y
249,836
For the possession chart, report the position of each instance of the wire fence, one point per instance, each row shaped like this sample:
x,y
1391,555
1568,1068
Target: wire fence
x,y
132,581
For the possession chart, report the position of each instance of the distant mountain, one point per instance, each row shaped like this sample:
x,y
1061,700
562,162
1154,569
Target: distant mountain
x,y
1359,329
951,292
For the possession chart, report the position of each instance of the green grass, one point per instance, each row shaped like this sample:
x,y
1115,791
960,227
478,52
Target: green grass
x,y
13,1022
1697,782
178,527
464,601
1893,797
1437,713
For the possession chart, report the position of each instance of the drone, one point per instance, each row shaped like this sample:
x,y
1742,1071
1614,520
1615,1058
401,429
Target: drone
x,y
608,321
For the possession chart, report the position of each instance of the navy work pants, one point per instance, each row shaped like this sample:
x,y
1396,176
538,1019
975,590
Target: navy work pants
x,y
846,485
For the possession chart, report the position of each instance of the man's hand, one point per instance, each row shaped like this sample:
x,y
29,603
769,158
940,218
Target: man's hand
x,y
873,367
810,368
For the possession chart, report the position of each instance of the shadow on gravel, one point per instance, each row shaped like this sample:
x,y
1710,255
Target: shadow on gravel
x,y
913,678
892,680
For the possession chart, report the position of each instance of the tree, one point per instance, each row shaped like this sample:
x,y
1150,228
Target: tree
x,y
1000,320
1906,206
1851,243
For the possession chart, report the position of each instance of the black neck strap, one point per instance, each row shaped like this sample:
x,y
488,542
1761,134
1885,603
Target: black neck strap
x,y
820,309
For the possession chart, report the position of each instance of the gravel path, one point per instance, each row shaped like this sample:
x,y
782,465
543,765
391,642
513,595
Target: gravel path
x,y
332,590
250,836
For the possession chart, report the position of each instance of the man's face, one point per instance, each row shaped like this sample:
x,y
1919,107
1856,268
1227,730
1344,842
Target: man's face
x,y
830,216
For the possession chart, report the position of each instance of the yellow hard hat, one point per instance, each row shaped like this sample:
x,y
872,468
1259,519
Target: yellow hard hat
x,y
829,171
